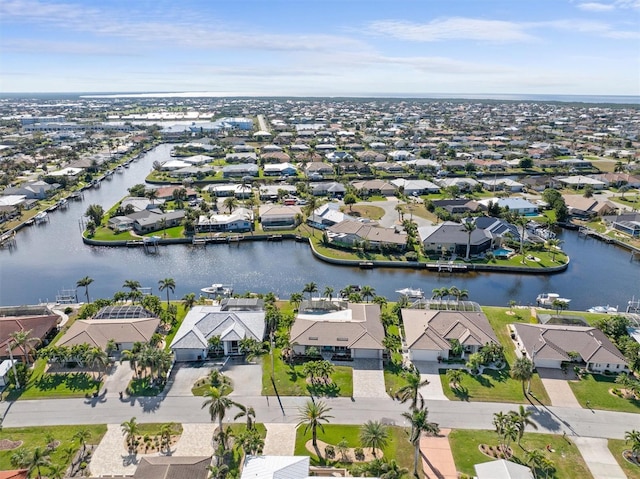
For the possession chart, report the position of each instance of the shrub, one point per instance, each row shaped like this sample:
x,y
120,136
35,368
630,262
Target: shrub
x,y
411,256
359,453
68,310
329,452
83,465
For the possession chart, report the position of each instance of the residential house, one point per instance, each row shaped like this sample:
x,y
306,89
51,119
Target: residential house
x,y
271,192
327,215
279,217
154,222
619,179
167,193
537,183
332,189
240,170
275,467
516,205
126,311
5,368
192,172
388,167
173,467
415,187
280,169
502,469
98,332
32,190
241,157
239,221
191,342
374,187
449,238
548,346
580,181
318,168
499,184
370,237
457,207
237,190
338,329
464,184
174,164
628,223
429,333
40,320
582,207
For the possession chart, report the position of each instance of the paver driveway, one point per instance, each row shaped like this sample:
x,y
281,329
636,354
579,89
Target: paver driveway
x,y
429,370
557,386
368,379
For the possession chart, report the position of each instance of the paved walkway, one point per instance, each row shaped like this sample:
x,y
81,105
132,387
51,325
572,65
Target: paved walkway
x,y
429,371
557,386
368,379
280,440
599,459
437,460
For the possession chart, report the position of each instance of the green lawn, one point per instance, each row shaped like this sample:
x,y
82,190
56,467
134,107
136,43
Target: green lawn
x,y
290,380
595,389
566,457
105,234
43,385
364,211
616,446
399,448
182,312
202,385
142,387
33,437
153,429
393,379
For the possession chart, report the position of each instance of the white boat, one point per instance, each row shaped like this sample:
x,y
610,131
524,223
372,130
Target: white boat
x,y
547,299
603,309
411,293
42,216
218,290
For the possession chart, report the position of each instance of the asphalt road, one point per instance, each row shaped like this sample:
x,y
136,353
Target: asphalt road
x,y
187,409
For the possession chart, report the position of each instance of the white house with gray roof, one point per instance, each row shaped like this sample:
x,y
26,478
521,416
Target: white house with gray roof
x,y
548,346
191,342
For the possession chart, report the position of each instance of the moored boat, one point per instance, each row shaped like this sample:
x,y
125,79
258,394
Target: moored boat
x,y
603,309
548,299
411,293
217,289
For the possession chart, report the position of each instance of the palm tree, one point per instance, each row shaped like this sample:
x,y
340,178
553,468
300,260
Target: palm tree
x,y
132,356
84,283
39,458
310,288
130,429
218,403
411,391
522,222
534,458
248,412
168,284
295,299
312,415
57,471
132,284
633,439
151,194
553,246
522,419
189,301
380,301
230,203
82,435
522,370
367,292
375,435
163,226
328,293
218,472
251,441
342,448
418,418
24,341
455,377
165,435
97,359
468,227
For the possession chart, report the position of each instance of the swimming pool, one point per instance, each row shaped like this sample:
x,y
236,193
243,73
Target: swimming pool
x,y
502,252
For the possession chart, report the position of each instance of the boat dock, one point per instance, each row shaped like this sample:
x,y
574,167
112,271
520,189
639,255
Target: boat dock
x,y
447,266
8,240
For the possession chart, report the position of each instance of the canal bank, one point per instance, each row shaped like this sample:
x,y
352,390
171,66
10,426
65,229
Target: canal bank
x,y
52,256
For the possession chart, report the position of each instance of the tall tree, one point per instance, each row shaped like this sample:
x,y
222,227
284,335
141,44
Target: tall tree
x,y
84,283
468,227
328,293
189,301
23,340
522,370
168,285
312,415
230,203
411,391
130,428
38,458
375,435
82,435
218,403
522,419
310,288
367,292
419,420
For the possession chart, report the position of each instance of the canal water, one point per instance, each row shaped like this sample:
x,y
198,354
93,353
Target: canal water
x,y
51,257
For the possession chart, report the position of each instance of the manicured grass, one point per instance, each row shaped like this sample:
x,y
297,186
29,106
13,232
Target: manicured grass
x,y
617,446
175,232
566,457
33,437
44,385
290,380
142,387
399,448
394,379
182,312
153,429
105,234
202,385
595,389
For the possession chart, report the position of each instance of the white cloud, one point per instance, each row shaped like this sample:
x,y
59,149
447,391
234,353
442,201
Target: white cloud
x,y
456,28
596,7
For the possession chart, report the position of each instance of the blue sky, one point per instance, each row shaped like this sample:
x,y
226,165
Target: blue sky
x,y
325,47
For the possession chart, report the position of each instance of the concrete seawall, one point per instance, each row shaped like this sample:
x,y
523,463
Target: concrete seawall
x,y
435,267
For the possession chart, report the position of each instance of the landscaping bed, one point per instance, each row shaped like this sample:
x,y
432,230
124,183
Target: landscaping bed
x,y
617,448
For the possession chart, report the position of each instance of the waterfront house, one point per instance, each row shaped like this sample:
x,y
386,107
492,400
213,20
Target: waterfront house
x,y
191,342
192,171
516,205
338,330
154,221
239,221
549,346
174,164
240,170
38,190
40,320
327,215
451,238
351,234
279,217
98,332
429,333
628,223
581,207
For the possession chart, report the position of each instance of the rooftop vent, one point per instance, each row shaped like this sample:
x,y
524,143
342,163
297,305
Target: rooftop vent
x,y
313,338
343,339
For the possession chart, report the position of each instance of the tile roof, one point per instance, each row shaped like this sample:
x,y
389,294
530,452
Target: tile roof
x,y
98,332
172,467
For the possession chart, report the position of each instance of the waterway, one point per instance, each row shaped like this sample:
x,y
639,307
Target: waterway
x,y
51,257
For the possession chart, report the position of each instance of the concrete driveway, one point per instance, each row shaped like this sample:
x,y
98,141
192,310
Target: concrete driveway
x,y
118,379
429,370
184,377
557,386
599,459
245,377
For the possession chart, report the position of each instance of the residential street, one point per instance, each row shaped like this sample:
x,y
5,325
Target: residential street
x,y
449,414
